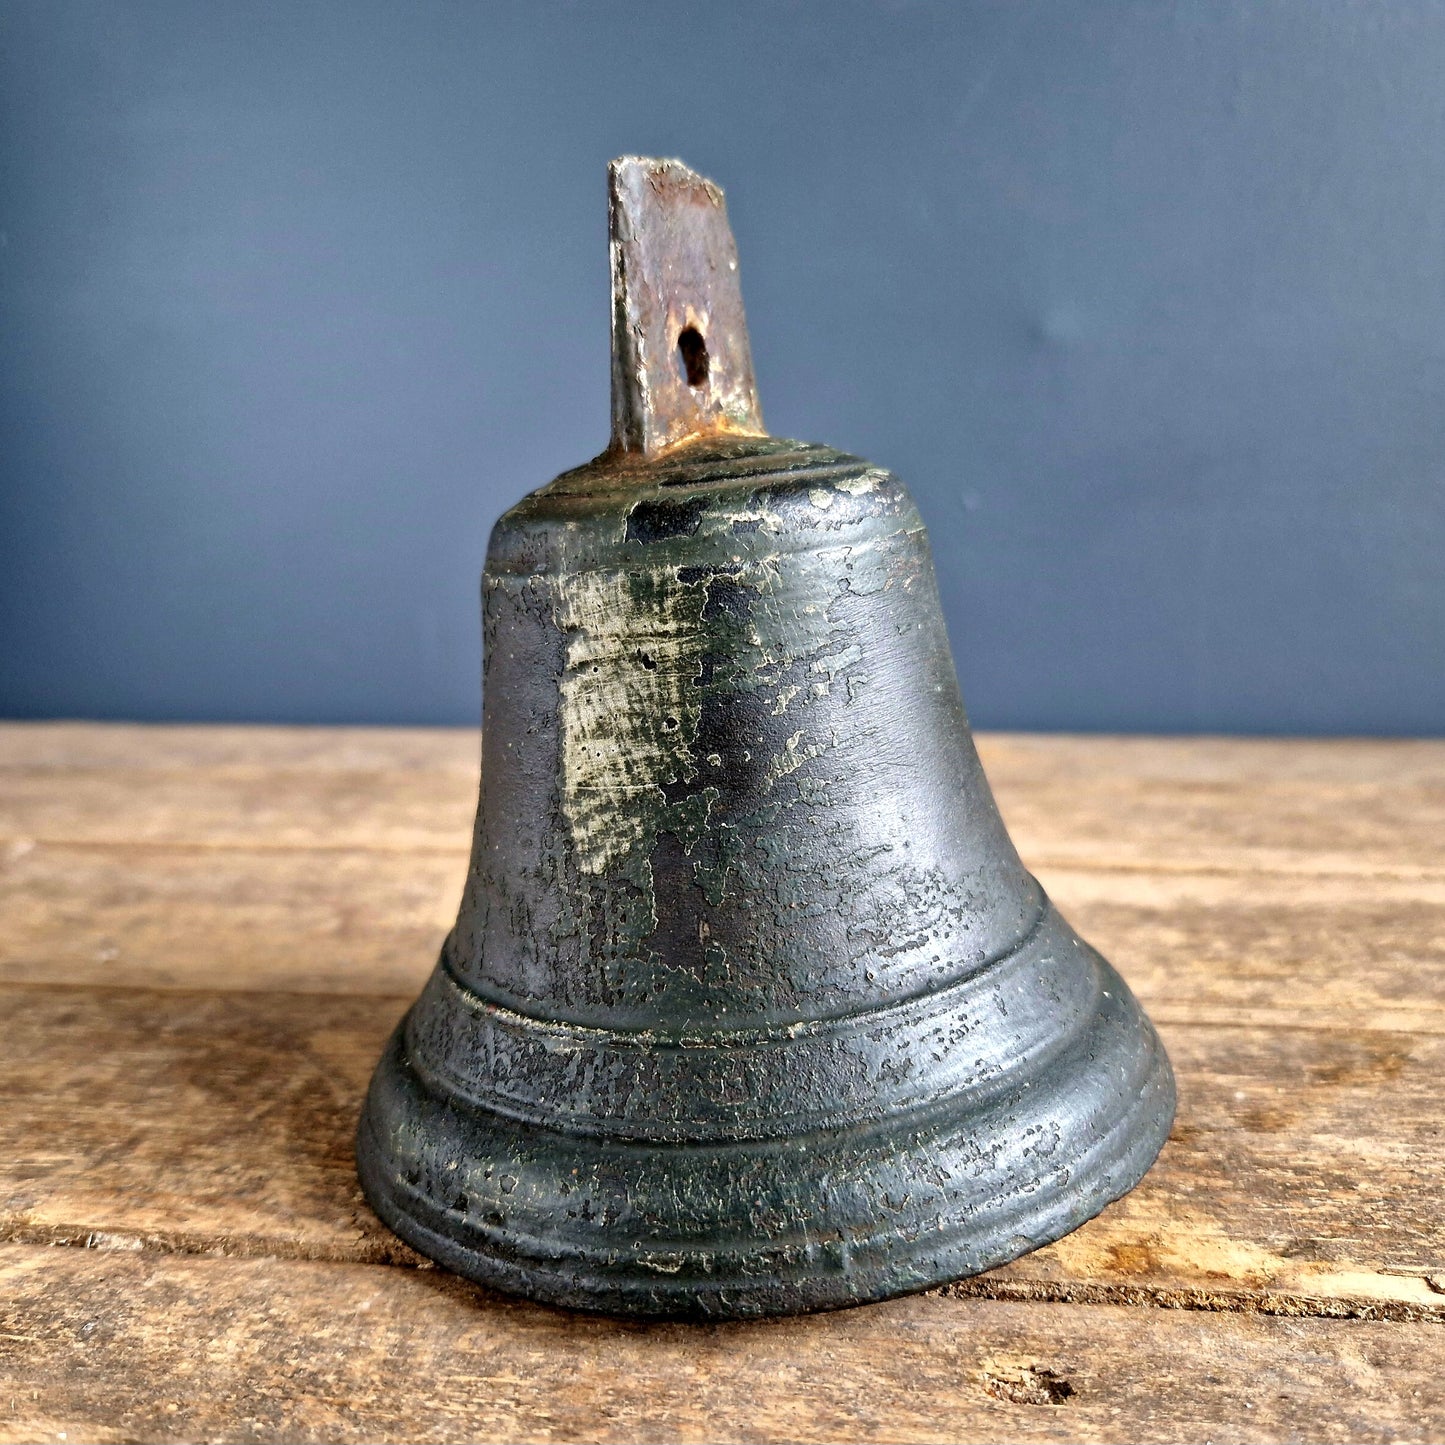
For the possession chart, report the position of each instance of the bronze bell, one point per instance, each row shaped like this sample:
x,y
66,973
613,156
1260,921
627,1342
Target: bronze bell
x,y
750,1007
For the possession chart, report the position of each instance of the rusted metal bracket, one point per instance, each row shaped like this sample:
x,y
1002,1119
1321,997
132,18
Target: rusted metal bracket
x,y
681,364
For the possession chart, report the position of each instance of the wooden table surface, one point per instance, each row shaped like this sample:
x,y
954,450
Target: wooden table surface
x,y
207,933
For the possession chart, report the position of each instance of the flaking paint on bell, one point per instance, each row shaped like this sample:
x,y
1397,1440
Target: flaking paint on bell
x,y
750,1006
629,710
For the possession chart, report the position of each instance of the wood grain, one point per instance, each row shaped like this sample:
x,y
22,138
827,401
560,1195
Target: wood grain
x,y
117,747
1346,807
206,933
1304,1173
1293,950
1325,807
113,1346
299,920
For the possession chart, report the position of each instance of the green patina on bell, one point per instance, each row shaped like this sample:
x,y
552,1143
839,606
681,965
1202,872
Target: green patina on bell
x,y
750,1006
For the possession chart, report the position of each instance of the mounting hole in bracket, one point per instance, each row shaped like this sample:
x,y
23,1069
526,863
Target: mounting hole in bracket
x,y
692,353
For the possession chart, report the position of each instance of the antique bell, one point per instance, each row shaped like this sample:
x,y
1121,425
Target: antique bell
x,y
750,1007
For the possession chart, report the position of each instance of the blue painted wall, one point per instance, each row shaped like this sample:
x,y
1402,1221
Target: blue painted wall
x,y
1146,301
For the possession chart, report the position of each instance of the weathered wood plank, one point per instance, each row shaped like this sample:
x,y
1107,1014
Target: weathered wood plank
x,y
1197,947
1304,1174
304,920
405,789
113,1347
1268,949
240,807
1029,759
1334,807
118,746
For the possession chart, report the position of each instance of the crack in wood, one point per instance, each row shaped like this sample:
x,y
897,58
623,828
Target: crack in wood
x,y
381,1249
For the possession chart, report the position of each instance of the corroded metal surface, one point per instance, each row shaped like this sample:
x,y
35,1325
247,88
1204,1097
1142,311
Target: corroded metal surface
x,y
750,1006
681,363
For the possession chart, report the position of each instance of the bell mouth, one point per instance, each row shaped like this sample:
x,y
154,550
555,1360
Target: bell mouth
x,y
887,1203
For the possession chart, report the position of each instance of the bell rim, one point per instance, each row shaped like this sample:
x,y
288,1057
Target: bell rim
x,y
617,1278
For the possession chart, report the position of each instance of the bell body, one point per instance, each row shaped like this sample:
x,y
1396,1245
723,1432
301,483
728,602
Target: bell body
x,y
750,1007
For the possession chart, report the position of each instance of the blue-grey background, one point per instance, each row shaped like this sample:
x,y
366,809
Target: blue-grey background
x,y
1145,300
